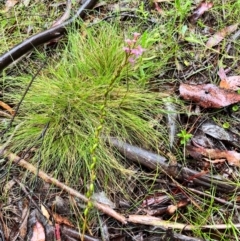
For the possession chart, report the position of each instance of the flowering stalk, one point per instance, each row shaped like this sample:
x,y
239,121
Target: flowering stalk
x,y
132,53
132,50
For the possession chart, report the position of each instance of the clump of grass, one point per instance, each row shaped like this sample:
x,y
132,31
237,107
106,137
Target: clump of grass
x,y
66,100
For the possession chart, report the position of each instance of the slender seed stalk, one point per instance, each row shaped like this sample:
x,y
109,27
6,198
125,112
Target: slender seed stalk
x,y
97,133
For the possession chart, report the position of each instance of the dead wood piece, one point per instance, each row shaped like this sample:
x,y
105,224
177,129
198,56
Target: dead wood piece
x,y
155,162
158,222
101,207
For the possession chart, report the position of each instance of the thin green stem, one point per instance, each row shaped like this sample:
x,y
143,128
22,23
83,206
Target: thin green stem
x,y
97,133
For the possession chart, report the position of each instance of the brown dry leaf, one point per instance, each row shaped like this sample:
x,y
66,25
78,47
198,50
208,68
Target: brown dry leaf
x,y
232,157
38,232
9,4
199,11
219,36
46,214
230,83
208,95
7,107
62,220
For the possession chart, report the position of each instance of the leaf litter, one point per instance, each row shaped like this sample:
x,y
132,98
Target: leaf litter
x,y
220,35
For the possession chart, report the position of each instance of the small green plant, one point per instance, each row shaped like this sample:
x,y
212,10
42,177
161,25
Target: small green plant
x,y
141,10
182,8
235,108
184,137
226,125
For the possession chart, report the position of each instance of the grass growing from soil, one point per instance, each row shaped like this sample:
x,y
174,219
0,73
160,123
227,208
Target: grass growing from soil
x,y
69,92
68,95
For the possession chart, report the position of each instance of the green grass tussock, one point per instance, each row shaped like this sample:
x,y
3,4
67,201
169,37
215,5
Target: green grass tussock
x,y
69,94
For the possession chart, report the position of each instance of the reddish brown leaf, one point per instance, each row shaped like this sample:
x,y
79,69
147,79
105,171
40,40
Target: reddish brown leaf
x,y
208,95
199,11
216,161
232,157
219,36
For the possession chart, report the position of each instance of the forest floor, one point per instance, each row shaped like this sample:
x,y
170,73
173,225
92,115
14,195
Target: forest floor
x,y
124,128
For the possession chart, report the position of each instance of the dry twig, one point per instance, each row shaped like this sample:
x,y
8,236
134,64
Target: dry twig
x,y
101,207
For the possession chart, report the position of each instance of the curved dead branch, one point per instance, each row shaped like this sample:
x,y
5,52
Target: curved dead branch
x,y
43,37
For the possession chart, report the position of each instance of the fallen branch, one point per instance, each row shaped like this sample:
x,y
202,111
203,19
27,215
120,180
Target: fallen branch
x,y
42,37
155,162
101,207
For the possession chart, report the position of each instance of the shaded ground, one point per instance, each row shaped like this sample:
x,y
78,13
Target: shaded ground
x,y
193,182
